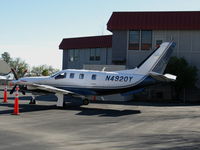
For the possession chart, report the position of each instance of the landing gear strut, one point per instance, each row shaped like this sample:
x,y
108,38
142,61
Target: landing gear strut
x,y
86,101
32,101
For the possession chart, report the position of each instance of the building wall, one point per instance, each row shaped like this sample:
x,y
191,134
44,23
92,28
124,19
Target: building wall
x,y
84,58
187,44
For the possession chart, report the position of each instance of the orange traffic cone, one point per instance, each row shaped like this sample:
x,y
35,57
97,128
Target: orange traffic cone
x,y
16,105
10,84
5,95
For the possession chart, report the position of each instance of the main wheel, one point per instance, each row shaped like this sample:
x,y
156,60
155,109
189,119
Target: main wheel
x,y
86,102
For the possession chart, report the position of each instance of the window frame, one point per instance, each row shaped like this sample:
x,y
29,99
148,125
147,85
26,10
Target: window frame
x,y
95,54
138,42
60,76
147,45
74,55
141,38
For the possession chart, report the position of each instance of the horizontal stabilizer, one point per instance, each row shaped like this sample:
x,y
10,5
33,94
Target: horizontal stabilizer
x,y
161,77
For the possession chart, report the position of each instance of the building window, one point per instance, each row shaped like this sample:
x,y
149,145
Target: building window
x,y
140,40
81,76
71,75
92,54
146,40
94,76
158,42
73,55
134,40
95,54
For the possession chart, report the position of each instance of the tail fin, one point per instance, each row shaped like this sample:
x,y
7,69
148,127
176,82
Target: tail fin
x,y
157,60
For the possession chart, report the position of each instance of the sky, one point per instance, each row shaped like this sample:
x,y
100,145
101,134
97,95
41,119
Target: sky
x,y
33,29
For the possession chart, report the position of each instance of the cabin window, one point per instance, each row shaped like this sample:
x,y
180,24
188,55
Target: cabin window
x,y
61,75
81,76
94,76
71,75
140,40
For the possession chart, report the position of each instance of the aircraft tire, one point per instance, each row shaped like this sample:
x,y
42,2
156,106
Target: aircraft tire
x,y
86,102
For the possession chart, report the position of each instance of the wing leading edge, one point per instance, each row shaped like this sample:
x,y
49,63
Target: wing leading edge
x,y
48,88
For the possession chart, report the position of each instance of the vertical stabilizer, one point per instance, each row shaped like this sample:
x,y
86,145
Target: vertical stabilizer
x,y
157,60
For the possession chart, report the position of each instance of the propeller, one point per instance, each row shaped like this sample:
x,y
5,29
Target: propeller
x,y
21,87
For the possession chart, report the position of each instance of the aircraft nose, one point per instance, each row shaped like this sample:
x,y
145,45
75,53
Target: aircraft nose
x,y
13,82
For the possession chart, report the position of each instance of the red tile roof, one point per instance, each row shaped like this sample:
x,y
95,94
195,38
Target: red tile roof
x,y
86,42
179,20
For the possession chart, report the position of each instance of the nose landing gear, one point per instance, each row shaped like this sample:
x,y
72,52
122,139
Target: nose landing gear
x,y
33,101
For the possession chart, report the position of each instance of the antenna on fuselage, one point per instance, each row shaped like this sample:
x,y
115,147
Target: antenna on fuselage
x,y
103,69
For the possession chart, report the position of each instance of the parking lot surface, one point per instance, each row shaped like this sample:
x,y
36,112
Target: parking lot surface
x,y
128,125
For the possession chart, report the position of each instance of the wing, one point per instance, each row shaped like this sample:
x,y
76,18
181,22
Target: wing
x,y
49,88
161,77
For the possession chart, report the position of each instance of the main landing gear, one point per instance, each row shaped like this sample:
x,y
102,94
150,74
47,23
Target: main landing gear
x,y
33,101
86,101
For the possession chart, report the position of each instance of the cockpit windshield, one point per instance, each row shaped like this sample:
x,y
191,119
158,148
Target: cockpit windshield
x,y
61,75
53,75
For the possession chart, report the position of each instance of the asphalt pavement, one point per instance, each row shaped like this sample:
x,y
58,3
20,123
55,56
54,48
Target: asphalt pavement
x,y
125,126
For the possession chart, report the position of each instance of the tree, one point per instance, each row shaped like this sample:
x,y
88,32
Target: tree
x,y
6,57
20,66
43,70
186,74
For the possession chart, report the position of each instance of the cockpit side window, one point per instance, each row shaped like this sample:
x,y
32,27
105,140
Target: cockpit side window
x,y
61,75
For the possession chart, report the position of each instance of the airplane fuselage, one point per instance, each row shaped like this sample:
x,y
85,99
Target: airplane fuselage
x,y
87,82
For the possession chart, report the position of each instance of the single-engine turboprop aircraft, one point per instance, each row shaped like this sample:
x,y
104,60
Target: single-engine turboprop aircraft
x,y
84,83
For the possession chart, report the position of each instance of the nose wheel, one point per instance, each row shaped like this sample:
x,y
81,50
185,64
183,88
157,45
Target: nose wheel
x,y
86,101
32,101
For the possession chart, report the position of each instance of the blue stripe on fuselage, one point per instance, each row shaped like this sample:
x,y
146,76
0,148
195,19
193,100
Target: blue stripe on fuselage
x,y
105,91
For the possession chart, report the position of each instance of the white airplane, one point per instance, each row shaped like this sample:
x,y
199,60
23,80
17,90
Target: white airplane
x,y
84,83
8,76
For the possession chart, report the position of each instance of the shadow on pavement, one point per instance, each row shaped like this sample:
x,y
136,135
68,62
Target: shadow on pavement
x,y
83,110
103,112
146,103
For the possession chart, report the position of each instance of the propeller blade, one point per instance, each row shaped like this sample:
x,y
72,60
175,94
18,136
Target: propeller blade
x,y
23,92
13,89
15,74
22,89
